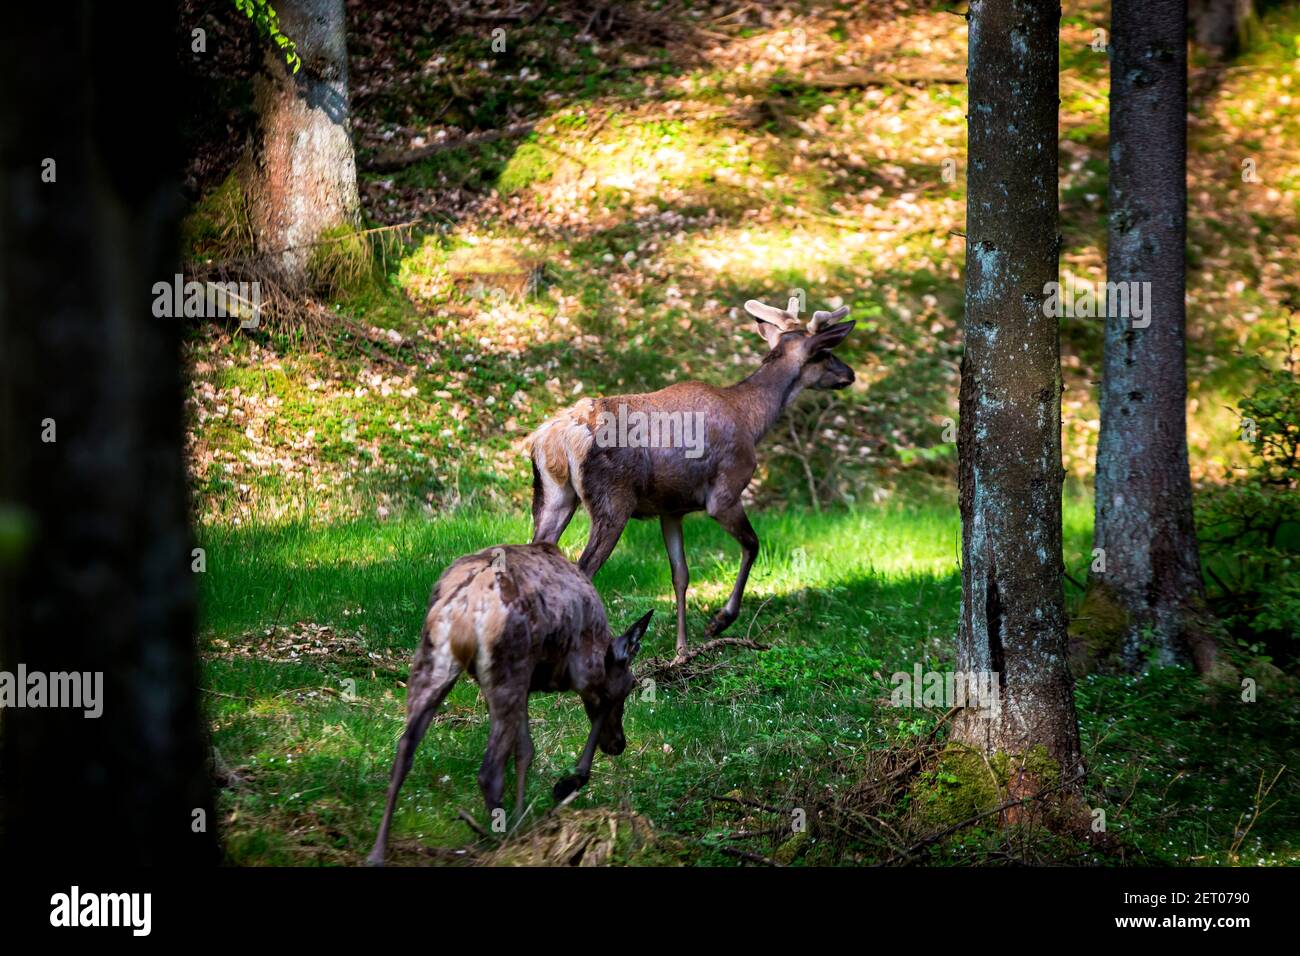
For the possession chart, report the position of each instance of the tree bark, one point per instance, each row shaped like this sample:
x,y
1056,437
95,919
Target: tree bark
x,y
1009,443
301,176
1219,25
95,563
1144,526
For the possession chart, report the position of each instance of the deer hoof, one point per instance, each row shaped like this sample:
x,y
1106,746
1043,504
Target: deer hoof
x,y
567,786
720,622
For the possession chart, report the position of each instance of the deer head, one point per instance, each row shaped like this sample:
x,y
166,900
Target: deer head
x,y
807,348
609,696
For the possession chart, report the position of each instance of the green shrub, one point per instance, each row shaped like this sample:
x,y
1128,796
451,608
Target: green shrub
x,y
1251,528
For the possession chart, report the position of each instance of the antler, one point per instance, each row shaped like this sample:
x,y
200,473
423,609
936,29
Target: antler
x,y
786,320
821,318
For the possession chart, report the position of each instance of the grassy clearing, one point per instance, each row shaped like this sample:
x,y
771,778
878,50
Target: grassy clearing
x,y
852,597
668,179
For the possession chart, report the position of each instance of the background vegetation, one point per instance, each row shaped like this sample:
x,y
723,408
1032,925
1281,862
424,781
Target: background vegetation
x,y
687,157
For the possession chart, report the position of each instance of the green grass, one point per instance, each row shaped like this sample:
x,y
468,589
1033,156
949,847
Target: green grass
x,y
337,476
851,596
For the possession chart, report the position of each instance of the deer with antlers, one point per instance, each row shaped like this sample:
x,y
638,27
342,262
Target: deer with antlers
x,y
688,447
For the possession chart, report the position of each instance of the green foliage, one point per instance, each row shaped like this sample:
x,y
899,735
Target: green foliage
x,y
1251,528
964,782
267,22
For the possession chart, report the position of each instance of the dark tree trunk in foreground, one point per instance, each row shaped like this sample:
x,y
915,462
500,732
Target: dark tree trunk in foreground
x,y
94,547
1149,598
301,177
1009,446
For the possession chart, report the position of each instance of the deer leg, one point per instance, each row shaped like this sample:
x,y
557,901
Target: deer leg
x,y
606,528
672,529
523,760
736,523
426,695
504,713
578,779
553,508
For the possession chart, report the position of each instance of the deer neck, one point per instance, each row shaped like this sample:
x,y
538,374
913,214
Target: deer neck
x,y
764,395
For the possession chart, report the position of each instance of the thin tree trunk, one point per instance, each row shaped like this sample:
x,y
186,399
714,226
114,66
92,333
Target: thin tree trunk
x,y
1149,598
1009,444
301,176
95,560
1219,26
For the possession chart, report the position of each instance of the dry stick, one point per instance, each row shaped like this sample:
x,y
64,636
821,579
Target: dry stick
x,y
942,720
746,641
1261,793
748,802
674,665
472,824
848,79
948,831
746,855
396,161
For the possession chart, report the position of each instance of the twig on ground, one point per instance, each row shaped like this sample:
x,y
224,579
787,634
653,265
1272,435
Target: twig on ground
x,y
746,855
949,831
395,161
472,824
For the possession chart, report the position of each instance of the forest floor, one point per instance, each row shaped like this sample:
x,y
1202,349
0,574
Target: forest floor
x,y
680,162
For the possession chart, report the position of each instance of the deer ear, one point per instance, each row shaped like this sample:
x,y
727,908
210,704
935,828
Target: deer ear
x,y
772,322
771,333
820,318
627,644
829,338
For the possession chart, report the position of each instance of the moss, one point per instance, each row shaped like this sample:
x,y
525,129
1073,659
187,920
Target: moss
x,y
964,782
218,227
530,164
1097,631
791,848
344,259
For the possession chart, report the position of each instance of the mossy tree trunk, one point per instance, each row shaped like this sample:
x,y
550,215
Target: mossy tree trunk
x,y
1009,444
95,552
300,175
1144,528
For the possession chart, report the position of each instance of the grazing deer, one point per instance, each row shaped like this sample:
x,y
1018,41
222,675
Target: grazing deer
x,y
518,619
578,457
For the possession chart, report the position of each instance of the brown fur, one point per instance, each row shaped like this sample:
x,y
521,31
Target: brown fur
x,y
519,619
619,483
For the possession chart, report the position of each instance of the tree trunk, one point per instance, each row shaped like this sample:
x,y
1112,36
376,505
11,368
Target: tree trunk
x,y
1219,25
1149,596
1009,444
95,562
301,175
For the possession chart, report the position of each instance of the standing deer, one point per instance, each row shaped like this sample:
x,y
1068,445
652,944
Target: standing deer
x,y
577,456
519,619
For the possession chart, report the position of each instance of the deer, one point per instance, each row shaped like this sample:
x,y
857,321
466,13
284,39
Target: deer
x,y
585,454
519,619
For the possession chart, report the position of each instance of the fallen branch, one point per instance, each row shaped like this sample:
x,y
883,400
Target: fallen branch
x,y
750,803
472,824
849,79
396,161
662,668
949,831
746,855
